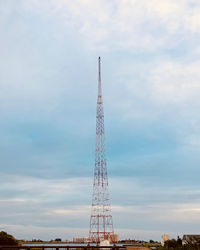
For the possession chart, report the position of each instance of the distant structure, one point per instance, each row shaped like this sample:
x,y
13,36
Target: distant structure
x,y
101,222
81,240
191,239
164,238
115,238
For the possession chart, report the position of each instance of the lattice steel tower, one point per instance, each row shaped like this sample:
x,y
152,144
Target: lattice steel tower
x,y
101,223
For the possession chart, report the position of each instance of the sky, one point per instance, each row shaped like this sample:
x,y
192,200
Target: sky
x,y
151,91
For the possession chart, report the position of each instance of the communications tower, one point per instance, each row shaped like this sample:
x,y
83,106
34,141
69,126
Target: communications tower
x,y
101,222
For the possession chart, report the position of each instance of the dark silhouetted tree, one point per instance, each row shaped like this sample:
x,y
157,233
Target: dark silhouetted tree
x,y
7,239
58,239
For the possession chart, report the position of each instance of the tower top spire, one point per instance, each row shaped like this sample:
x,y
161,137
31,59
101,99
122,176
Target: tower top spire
x,y
99,84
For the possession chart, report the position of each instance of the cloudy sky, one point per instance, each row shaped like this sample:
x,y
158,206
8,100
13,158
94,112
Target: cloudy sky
x,y
151,89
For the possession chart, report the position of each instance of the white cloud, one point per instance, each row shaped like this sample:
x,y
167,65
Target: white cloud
x,y
175,82
12,200
165,212
45,233
127,24
176,213
43,188
72,211
164,215
36,217
163,81
163,89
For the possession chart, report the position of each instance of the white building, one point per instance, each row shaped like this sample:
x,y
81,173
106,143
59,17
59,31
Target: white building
x,y
164,238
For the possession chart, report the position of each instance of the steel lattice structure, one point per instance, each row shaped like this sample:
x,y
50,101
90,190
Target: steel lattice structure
x,y
101,222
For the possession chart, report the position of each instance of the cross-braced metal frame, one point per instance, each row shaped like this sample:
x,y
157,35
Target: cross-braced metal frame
x,y
101,222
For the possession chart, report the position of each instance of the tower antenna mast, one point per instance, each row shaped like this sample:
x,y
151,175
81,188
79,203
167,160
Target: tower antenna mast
x,y
101,222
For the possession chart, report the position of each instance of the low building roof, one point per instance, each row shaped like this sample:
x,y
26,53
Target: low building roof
x,y
191,238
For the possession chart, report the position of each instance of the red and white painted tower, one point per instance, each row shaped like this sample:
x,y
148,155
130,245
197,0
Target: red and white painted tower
x,y
101,222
